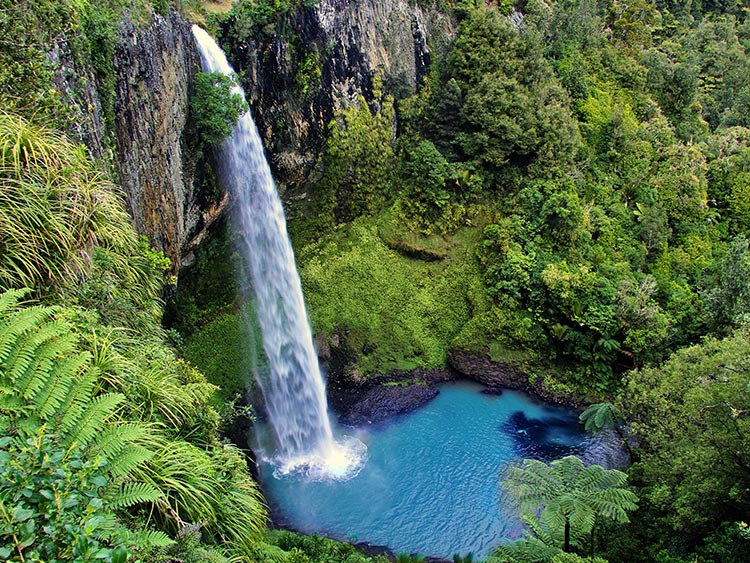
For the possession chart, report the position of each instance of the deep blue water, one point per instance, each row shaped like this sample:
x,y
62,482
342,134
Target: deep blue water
x,y
431,481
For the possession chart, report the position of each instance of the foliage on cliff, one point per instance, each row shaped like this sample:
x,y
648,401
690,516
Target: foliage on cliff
x,y
214,109
600,147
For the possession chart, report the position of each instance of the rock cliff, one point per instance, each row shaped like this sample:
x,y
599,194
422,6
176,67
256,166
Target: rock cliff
x,y
299,72
155,66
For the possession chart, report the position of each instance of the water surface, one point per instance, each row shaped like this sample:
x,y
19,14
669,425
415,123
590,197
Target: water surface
x,y
431,481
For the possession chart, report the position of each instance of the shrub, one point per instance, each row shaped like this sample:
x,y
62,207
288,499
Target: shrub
x,y
215,107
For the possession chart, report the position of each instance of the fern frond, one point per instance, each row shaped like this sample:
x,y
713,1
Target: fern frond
x,y
129,460
18,323
145,538
62,374
132,493
34,355
76,399
9,299
116,437
81,429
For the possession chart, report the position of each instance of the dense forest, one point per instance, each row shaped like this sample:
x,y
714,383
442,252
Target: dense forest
x,y
566,192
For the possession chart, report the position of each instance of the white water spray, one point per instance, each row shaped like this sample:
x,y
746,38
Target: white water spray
x,y
294,390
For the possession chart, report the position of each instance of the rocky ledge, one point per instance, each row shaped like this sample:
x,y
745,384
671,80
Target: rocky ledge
x,y
359,401
368,401
382,402
497,375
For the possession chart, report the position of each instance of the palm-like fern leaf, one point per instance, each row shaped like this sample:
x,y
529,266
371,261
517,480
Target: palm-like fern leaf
x,y
600,415
81,429
145,538
121,436
52,393
131,493
569,495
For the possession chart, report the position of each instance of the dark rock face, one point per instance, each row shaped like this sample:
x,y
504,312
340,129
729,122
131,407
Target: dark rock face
x,y
155,67
355,44
480,368
380,403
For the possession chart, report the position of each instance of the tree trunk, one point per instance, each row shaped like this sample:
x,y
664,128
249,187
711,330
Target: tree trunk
x,y
566,546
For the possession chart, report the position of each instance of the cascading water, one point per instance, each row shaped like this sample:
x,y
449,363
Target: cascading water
x,y
294,390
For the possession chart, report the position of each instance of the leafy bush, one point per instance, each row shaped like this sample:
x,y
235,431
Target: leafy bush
x,y
215,108
52,502
357,163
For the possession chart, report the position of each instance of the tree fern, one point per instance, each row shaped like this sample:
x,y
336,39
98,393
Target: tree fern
x,y
570,496
600,415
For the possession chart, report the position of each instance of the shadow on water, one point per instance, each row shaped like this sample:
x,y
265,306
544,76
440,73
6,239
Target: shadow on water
x,y
544,439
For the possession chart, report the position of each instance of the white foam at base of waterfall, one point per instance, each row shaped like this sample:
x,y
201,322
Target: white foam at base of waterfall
x,y
343,461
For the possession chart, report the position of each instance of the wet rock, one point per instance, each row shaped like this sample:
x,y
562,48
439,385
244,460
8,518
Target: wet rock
x,y
498,375
155,65
380,403
354,46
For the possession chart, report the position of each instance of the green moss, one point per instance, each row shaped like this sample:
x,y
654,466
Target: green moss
x,y
394,311
228,351
208,286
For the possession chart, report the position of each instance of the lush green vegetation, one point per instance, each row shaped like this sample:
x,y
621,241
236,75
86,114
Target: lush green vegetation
x,y
579,174
568,192
110,446
214,109
599,151
393,312
120,434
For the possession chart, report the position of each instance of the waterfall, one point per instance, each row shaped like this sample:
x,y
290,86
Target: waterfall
x,y
294,390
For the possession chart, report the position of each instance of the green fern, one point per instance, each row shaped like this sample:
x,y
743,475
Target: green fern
x,y
82,428
45,377
120,437
569,496
600,415
131,493
145,537
126,462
